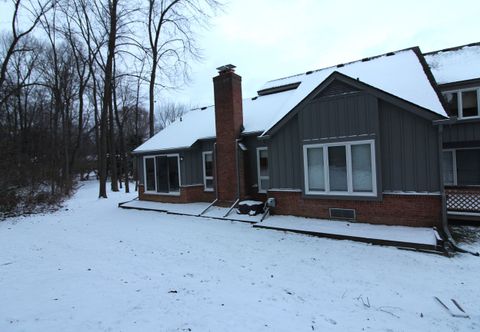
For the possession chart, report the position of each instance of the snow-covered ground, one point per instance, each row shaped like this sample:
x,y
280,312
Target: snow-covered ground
x,y
94,267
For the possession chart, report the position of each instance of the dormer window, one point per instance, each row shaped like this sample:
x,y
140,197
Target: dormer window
x,y
464,103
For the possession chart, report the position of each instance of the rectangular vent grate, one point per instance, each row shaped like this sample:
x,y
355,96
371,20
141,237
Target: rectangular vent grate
x,y
342,214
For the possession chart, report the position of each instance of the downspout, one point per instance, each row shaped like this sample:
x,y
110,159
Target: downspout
x,y
216,170
442,187
446,231
237,167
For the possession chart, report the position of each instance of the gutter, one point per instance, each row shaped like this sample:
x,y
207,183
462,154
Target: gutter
x,y
445,229
455,120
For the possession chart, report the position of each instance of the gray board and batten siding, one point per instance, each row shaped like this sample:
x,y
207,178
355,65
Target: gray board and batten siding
x,y
409,151
461,134
406,143
284,157
349,117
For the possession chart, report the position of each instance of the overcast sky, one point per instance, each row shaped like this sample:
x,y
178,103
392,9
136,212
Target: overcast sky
x,y
268,39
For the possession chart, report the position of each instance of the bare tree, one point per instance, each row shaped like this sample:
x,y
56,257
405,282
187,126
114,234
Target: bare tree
x,y
73,97
83,73
36,11
172,41
168,112
125,104
111,11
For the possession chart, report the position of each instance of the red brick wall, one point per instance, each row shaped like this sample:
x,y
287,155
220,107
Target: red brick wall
x,y
228,123
187,195
407,210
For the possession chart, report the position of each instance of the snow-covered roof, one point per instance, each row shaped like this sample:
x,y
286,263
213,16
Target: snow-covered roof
x,y
399,73
456,64
200,123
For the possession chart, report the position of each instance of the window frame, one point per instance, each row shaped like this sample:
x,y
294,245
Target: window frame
x,y
145,173
205,177
170,193
459,92
326,170
262,177
454,161
455,168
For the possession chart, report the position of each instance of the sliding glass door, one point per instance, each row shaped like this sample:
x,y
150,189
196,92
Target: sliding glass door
x,y
162,174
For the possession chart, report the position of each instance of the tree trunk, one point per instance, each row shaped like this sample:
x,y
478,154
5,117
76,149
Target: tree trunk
x,y
113,150
123,153
151,99
107,95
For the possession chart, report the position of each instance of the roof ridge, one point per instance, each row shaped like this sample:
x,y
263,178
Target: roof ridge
x,y
346,63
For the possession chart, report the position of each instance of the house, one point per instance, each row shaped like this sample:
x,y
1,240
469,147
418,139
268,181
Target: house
x,y
457,73
372,140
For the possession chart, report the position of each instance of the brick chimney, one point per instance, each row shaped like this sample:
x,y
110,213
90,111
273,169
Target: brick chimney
x,y
229,125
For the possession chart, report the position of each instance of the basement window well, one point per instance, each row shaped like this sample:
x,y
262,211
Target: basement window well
x,y
162,174
346,168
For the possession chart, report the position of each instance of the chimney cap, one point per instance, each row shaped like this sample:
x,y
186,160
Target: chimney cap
x,y
226,69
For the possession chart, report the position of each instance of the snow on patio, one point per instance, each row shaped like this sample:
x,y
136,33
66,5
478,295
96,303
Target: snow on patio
x,y
191,209
396,234
95,267
418,237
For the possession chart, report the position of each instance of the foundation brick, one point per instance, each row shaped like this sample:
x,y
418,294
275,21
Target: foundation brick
x,y
406,210
187,195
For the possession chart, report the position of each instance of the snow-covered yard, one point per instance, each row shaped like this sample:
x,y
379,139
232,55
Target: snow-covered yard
x,y
94,267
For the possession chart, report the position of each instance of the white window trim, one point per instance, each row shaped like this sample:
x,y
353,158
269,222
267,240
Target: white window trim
x,y
454,161
261,177
170,193
460,102
205,177
349,192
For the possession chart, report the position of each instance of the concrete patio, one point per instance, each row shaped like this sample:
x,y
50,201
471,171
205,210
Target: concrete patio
x,y
418,238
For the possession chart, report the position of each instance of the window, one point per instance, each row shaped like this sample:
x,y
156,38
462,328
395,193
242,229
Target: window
x,y
150,174
449,171
464,103
362,168
461,167
468,167
340,168
208,171
162,174
262,170
316,170
337,168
